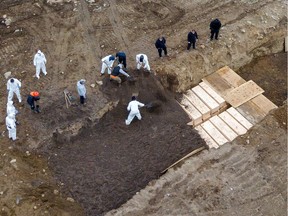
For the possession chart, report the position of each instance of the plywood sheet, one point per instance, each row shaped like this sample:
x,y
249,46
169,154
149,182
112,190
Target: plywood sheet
x,y
217,136
206,98
240,118
204,135
243,93
264,103
231,76
223,128
213,94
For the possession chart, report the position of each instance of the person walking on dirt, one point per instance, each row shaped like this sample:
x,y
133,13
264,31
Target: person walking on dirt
x,y
192,38
142,61
11,109
39,62
81,90
133,108
117,71
13,86
215,26
33,97
121,58
11,126
160,44
107,63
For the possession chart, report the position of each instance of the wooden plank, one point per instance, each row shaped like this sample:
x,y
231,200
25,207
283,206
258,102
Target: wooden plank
x,y
243,93
286,44
198,103
193,113
223,128
216,82
240,118
232,123
185,157
251,112
209,141
213,94
217,136
264,103
230,76
206,98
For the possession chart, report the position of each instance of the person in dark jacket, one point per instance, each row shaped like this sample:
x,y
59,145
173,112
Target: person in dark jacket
x,y
192,38
116,72
33,97
215,26
161,45
121,58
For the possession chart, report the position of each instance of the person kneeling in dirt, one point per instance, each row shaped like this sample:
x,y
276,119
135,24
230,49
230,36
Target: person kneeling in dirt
x,y
81,90
33,97
116,72
142,61
133,107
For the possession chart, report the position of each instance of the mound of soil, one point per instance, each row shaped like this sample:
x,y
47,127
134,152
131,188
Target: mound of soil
x,y
102,167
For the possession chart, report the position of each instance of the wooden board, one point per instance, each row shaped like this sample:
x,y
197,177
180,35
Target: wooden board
x,y
213,94
230,76
209,141
216,135
193,113
198,103
223,128
216,82
264,103
243,93
232,123
251,112
207,99
240,118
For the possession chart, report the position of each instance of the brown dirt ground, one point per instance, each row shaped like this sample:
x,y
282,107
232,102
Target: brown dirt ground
x,y
101,162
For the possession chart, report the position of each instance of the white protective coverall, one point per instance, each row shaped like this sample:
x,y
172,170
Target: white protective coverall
x,y
133,107
11,126
11,109
81,88
107,62
144,64
14,87
39,63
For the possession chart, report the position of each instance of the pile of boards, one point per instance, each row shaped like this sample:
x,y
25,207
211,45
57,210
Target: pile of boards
x,y
224,106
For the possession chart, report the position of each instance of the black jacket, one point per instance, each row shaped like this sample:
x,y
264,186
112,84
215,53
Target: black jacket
x,y
116,71
215,25
192,36
120,54
160,44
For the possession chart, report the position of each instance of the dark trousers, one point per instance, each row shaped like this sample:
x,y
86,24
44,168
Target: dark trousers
x,y
160,51
214,32
191,43
82,99
122,60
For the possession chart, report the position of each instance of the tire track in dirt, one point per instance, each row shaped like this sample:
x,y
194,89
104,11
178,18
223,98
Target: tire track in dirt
x,y
118,27
91,43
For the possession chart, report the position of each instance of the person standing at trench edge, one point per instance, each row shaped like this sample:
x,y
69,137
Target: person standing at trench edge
x,y
192,38
215,26
160,44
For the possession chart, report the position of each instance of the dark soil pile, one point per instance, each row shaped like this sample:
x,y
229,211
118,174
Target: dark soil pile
x,y
104,166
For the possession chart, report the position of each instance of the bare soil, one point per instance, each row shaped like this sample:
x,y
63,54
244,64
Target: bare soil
x,y
84,160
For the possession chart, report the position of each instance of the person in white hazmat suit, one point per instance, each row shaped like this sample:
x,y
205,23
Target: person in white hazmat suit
x,y
11,126
13,86
142,61
107,63
11,109
133,107
40,63
81,90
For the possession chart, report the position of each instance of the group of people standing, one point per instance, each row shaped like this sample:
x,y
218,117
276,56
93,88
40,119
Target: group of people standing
x,y
115,73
